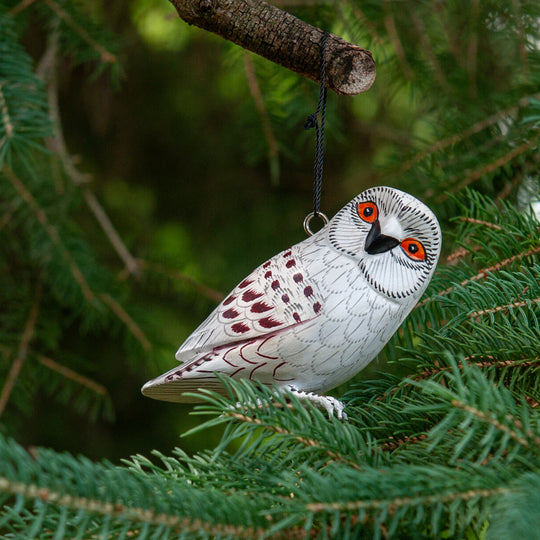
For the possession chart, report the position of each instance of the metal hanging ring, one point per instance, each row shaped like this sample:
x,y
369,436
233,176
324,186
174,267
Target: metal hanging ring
x,y
308,219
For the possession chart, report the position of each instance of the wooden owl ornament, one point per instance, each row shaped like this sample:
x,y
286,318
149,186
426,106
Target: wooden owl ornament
x,y
314,315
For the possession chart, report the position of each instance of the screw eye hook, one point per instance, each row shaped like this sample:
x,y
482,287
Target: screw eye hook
x,y
308,219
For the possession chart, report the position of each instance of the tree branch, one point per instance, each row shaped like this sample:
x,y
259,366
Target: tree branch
x,y
283,39
53,234
48,72
17,365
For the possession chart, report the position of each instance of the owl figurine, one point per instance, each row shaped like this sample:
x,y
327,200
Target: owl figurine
x,y
314,315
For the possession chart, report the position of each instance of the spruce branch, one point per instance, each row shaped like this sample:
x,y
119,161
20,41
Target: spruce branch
x,y
284,417
489,419
391,30
76,272
140,516
87,403
482,274
51,231
459,253
364,20
55,484
471,59
48,69
24,117
72,375
22,353
505,307
483,418
8,126
480,222
271,141
176,275
305,441
458,183
131,325
475,128
21,6
392,505
8,215
110,231
485,362
105,56
428,50
283,39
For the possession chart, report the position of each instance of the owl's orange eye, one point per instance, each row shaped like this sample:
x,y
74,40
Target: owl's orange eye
x,y
368,211
413,249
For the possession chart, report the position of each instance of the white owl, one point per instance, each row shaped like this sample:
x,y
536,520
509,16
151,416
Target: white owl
x,y
317,313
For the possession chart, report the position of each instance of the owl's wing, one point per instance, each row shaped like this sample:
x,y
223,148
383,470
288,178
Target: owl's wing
x,y
276,295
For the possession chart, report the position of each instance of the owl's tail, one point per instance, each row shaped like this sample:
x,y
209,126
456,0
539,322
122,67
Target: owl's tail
x,y
167,387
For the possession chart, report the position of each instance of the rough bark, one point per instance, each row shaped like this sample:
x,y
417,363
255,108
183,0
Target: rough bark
x,y
283,39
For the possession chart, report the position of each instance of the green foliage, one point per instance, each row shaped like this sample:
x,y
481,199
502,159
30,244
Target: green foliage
x,y
51,281
444,442
296,473
23,99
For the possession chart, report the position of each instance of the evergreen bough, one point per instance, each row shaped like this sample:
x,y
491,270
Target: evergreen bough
x,y
446,446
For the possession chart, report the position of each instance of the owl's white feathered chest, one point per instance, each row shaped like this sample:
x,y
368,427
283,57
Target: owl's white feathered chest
x,y
353,323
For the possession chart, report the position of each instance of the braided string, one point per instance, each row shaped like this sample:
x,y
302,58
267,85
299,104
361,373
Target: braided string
x,y
316,120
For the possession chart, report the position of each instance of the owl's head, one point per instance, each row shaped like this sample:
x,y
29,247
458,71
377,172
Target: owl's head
x,y
395,238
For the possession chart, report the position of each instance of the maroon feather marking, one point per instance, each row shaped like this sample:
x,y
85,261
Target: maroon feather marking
x,y
296,316
262,343
227,352
274,373
230,363
267,264
187,368
267,356
228,300
285,298
277,367
231,314
275,284
287,253
268,274
251,295
245,283
260,307
237,371
250,342
308,291
240,327
256,368
298,277
316,307
268,322
290,263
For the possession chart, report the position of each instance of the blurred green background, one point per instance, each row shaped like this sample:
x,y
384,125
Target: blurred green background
x,y
178,156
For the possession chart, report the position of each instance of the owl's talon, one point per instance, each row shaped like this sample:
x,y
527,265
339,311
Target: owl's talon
x,y
329,403
259,404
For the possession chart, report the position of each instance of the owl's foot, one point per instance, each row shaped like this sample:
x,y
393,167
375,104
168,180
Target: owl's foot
x,y
258,404
330,404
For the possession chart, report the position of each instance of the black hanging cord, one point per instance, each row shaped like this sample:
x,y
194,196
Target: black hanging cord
x,y
316,120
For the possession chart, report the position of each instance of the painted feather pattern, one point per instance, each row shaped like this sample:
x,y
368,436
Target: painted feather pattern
x,y
314,315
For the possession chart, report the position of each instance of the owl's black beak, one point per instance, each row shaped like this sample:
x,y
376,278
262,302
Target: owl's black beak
x,y
377,242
